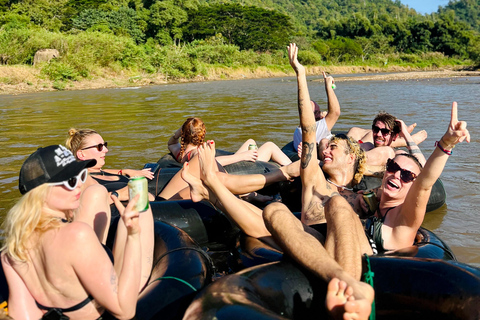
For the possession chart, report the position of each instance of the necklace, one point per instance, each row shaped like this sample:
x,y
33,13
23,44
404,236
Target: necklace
x,y
336,185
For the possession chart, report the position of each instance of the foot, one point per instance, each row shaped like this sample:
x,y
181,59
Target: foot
x,y
419,137
208,164
198,192
411,127
343,303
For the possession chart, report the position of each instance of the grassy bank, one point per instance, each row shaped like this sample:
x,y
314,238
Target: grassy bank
x,y
28,79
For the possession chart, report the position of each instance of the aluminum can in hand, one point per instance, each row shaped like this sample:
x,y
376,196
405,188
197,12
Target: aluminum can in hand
x,y
139,185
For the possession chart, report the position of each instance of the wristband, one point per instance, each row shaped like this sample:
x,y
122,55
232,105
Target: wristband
x,y
120,172
448,152
115,193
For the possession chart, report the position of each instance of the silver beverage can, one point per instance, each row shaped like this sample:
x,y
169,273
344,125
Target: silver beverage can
x,y
371,200
139,185
252,147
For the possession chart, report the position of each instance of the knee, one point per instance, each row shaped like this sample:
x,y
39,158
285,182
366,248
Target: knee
x,y
336,207
272,210
250,141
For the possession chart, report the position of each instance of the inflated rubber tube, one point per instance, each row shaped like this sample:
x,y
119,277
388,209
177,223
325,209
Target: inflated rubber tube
x,y
405,288
200,220
180,269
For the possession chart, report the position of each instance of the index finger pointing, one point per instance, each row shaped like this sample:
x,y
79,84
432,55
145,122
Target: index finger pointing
x,y
454,116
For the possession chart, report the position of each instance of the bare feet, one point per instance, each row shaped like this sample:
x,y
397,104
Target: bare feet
x,y
419,137
342,304
411,127
198,192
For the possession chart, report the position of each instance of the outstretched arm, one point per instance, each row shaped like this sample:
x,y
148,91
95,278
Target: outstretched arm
x,y
309,165
413,209
333,104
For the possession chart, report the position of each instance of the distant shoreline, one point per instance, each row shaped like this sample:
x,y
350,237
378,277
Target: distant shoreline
x,y
26,79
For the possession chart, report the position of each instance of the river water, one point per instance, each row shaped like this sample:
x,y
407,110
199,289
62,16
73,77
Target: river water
x,y
137,123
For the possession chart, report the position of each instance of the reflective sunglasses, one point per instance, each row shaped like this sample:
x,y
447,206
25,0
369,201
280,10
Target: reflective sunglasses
x,y
98,146
406,175
72,183
385,131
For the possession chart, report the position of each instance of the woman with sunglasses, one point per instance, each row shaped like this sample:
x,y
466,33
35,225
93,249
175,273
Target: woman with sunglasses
x,y
89,144
54,264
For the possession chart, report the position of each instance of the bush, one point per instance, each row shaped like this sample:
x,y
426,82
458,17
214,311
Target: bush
x,y
309,57
58,71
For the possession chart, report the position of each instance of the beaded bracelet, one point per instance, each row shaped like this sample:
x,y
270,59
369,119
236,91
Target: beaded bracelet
x,y
120,173
448,152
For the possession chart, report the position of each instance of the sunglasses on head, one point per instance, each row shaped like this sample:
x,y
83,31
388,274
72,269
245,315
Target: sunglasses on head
x,y
98,146
406,175
384,131
72,183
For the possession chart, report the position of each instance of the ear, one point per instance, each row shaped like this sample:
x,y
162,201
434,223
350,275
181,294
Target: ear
x,y
80,155
352,158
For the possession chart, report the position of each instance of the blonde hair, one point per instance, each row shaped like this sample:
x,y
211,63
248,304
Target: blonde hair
x,y
24,221
76,139
360,158
193,132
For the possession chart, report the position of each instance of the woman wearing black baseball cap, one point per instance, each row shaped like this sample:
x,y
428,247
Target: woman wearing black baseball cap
x,y
55,265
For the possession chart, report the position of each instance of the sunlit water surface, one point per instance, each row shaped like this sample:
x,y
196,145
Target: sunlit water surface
x,y
138,122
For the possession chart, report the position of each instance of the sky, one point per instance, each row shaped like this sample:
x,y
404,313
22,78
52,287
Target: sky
x,y
425,6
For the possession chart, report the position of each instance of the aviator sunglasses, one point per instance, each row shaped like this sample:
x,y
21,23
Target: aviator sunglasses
x,y
72,183
98,146
385,131
406,175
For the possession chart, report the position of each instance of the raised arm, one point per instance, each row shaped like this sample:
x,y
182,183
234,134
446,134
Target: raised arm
x,y
173,143
333,104
309,164
412,147
415,203
117,292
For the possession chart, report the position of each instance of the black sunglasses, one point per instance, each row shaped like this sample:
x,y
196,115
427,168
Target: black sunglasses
x,y
384,131
98,146
406,175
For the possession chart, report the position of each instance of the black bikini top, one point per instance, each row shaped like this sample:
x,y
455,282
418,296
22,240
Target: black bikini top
x,y
115,185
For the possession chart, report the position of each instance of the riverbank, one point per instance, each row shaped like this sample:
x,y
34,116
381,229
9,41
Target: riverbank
x,y
27,79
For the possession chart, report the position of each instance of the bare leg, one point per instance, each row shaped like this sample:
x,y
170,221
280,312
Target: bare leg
x,y
306,249
246,216
147,240
95,211
378,156
270,151
237,184
358,133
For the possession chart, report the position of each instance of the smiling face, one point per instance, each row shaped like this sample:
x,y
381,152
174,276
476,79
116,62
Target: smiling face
x,y
88,153
394,187
380,138
336,156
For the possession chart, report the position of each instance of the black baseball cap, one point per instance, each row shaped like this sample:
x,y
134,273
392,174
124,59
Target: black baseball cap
x,y
50,164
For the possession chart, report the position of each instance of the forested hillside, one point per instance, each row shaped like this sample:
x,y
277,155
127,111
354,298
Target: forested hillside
x,y
185,38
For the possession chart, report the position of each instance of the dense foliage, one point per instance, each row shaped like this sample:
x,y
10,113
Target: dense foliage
x,y
180,38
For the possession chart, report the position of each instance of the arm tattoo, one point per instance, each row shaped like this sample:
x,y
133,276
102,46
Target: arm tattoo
x,y
113,281
307,149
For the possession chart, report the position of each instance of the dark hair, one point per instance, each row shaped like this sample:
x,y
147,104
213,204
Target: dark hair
x,y
389,121
408,155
